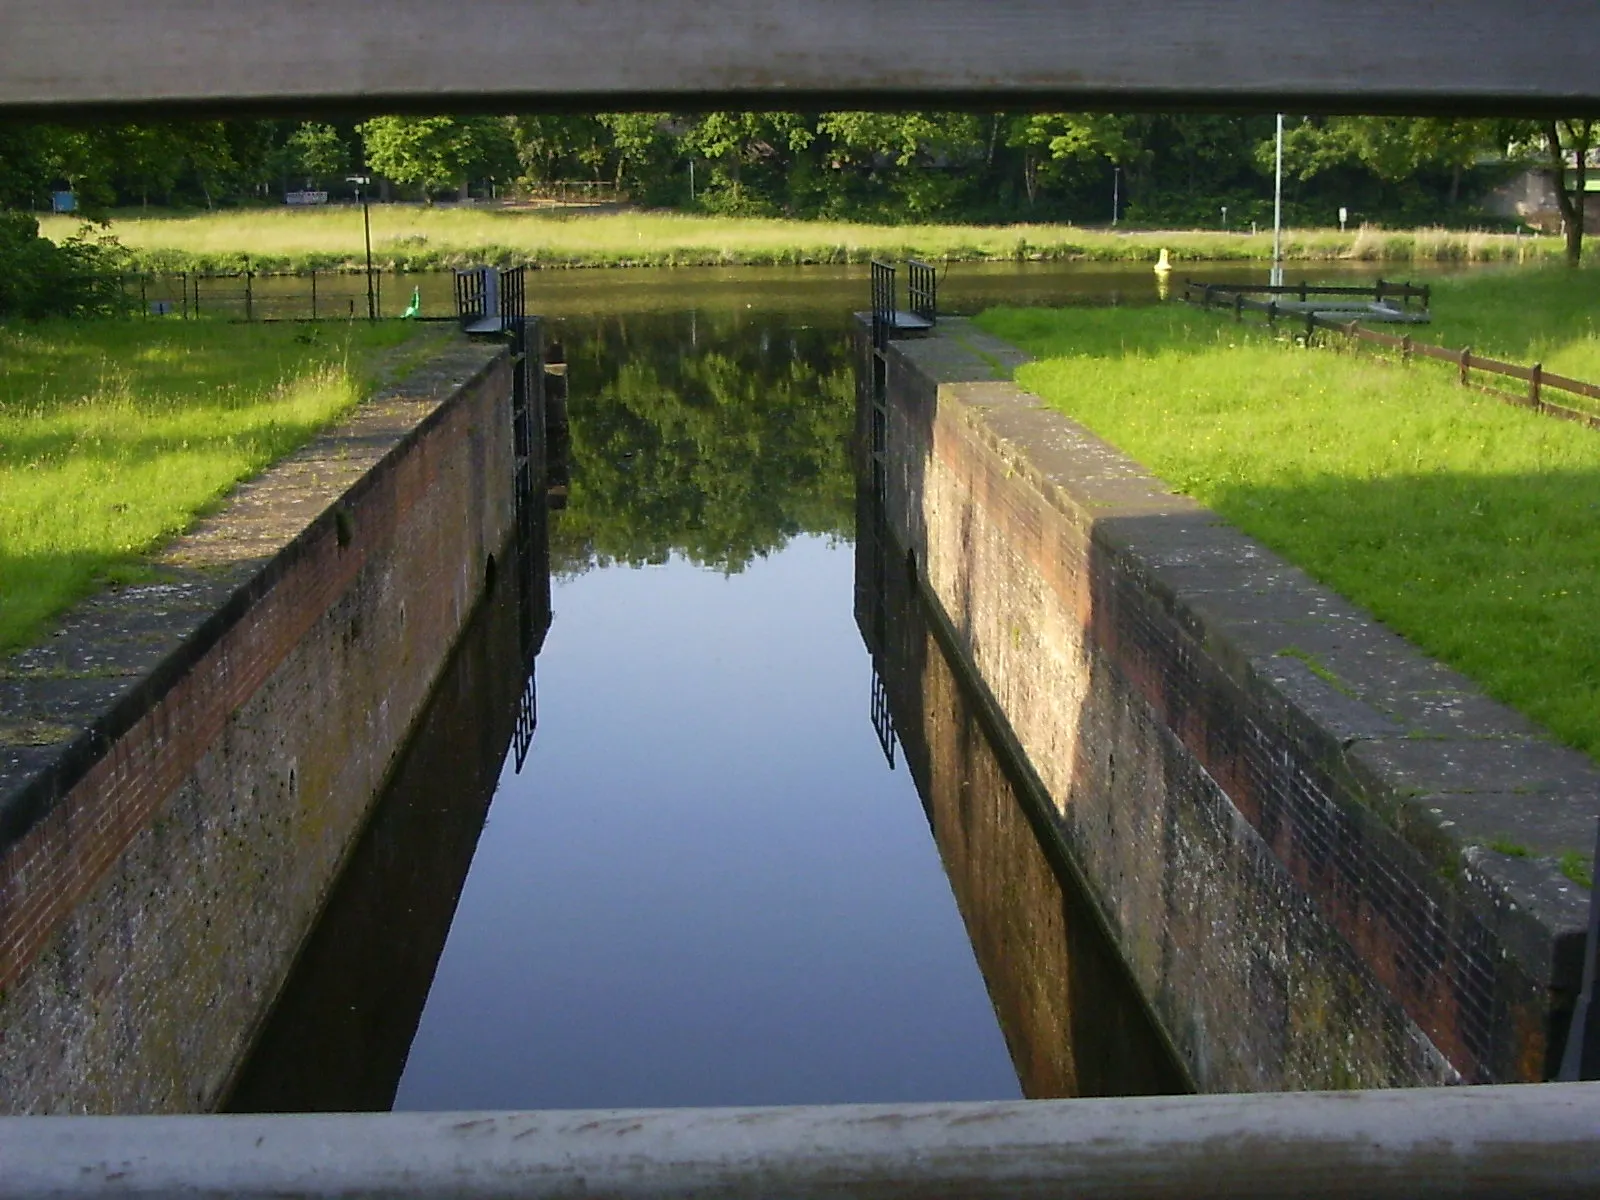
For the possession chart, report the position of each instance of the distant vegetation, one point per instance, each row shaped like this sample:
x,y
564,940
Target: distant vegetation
x,y
115,434
1467,525
415,238
860,171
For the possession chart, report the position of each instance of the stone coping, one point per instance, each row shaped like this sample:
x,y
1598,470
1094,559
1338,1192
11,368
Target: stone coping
x,y
66,700
1448,769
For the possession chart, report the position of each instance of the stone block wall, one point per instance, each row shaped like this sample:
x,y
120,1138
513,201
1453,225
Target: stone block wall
x,y
184,766
1282,810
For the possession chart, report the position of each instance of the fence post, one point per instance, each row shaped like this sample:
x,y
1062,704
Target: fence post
x,y
1535,375
197,278
1304,291
1466,359
183,282
313,293
1207,302
1377,291
1405,348
144,296
1238,306
1272,312
249,300
1427,295
1311,322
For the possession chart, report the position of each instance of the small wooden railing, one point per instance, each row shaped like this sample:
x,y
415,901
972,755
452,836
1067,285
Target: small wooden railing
x,y
1539,381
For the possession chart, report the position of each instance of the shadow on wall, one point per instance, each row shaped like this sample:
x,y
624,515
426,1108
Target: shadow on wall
x,y
1073,1020
338,1037
1284,933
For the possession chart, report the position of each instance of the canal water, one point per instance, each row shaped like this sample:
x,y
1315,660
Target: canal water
x,y
702,812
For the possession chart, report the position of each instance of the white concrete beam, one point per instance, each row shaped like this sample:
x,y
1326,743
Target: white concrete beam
x,y
284,56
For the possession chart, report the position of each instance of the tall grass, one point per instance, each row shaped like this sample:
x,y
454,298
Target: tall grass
x,y
416,238
1469,526
115,435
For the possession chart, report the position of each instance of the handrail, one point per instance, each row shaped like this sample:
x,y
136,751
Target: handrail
x,y
1519,1140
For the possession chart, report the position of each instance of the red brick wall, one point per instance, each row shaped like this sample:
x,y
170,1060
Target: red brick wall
x,y
147,917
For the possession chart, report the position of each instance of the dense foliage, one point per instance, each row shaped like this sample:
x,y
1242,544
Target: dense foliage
x,y
1164,169
40,279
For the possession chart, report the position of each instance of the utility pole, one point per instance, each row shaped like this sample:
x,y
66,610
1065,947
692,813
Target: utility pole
x,y
361,182
1277,209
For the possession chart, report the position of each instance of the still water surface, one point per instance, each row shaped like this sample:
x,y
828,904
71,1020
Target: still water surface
x,y
705,884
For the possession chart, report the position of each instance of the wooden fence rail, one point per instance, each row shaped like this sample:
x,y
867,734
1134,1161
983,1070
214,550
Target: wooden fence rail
x,y
1539,380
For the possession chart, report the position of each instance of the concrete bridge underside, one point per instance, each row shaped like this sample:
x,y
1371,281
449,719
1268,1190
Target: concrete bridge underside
x,y
85,57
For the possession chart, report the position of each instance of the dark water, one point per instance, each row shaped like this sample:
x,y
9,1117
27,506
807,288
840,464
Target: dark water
x,y
706,884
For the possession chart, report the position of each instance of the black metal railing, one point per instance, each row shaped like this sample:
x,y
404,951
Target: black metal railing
x,y
922,289
471,294
883,303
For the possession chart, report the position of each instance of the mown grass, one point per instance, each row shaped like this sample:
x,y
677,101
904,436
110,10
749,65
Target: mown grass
x,y
1467,525
414,238
114,435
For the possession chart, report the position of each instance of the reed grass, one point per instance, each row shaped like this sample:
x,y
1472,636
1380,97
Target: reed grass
x,y
115,435
1469,526
408,237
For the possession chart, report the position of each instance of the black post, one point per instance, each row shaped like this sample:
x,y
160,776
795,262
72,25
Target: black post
x,y
249,300
184,283
366,223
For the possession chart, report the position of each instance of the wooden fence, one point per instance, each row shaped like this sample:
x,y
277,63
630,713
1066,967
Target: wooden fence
x,y
1538,380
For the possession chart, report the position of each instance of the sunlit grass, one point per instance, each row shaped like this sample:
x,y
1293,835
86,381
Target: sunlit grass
x,y
415,238
114,435
1469,526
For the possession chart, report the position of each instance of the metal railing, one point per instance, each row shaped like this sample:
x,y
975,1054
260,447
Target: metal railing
x,y
1479,1142
1538,380
883,303
922,289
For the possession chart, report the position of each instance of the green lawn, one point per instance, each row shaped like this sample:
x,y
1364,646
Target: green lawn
x,y
1467,525
114,435
411,237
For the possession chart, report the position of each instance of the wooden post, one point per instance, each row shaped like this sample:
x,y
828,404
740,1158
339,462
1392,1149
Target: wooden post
x,y
313,293
1303,290
1405,348
183,282
249,300
1427,295
1311,322
1377,291
1466,359
1238,306
1534,378
1272,311
197,293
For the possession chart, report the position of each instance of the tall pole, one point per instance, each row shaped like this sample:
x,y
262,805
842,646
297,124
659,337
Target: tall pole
x,y
1277,209
366,222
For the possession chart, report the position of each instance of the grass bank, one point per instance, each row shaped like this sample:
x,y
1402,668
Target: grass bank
x,y
1469,526
115,435
415,238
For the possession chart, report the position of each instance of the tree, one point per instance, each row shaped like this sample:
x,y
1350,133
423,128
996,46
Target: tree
x,y
1050,141
434,153
316,152
1575,138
